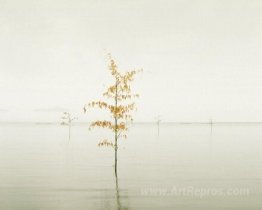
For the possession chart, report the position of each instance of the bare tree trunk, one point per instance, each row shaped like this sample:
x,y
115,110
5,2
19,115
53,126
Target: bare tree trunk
x,y
116,156
116,129
119,206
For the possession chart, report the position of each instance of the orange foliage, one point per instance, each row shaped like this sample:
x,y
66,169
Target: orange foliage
x,y
119,92
106,143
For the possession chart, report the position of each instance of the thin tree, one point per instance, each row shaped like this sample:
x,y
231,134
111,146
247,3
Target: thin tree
x,y
67,119
120,106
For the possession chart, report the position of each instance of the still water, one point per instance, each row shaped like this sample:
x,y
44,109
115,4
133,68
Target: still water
x,y
184,167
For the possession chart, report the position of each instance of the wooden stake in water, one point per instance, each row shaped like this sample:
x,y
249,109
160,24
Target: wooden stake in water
x,y
158,125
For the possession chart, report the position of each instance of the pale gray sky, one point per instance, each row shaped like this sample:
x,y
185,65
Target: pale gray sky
x,y
201,59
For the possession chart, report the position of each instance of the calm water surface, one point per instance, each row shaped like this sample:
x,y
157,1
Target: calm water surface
x,y
185,167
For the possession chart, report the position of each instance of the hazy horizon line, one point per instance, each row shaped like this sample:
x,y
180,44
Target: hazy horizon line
x,y
137,122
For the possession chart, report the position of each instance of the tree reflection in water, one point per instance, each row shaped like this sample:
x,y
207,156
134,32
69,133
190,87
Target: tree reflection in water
x,y
115,199
118,196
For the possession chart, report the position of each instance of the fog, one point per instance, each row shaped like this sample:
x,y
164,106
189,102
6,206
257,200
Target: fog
x,y
201,59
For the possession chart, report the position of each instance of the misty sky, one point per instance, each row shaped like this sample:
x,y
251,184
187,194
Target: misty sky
x,y
201,59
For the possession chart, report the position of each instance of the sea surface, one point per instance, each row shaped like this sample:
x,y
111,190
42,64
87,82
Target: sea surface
x,y
175,166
